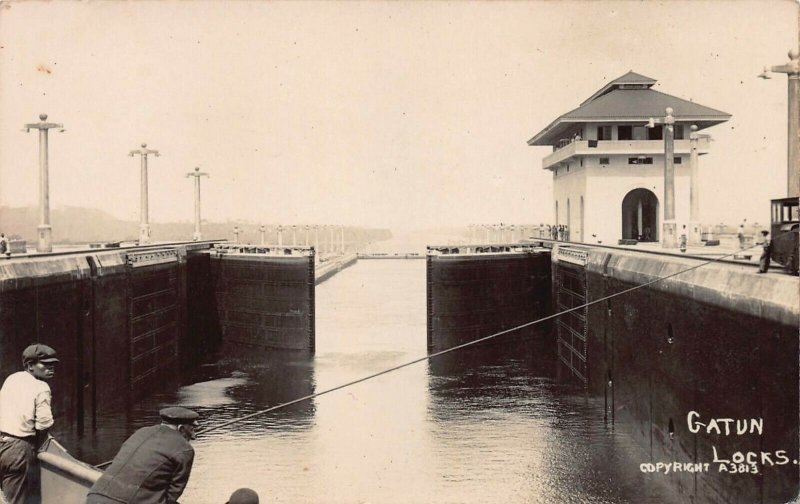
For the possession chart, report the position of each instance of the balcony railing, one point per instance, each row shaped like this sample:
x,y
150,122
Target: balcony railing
x,y
563,143
572,148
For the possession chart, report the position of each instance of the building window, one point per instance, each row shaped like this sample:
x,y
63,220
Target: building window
x,y
678,132
677,160
604,132
604,161
640,160
639,133
624,132
655,133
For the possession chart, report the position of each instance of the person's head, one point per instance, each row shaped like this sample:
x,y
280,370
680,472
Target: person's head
x,y
181,419
764,232
40,361
243,496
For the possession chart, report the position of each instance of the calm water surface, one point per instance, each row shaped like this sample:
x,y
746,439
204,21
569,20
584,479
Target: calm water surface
x,y
469,427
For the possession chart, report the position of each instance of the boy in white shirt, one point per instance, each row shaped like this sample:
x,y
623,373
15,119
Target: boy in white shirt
x,y
25,416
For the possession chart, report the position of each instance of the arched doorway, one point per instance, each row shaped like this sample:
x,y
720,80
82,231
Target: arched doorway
x,y
640,216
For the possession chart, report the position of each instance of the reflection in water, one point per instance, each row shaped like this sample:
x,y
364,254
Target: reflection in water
x,y
226,390
481,425
506,431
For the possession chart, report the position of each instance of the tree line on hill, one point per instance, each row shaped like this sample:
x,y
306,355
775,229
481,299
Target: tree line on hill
x,y
78,225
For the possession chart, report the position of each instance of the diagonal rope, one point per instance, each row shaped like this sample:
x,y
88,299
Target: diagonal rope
x,y
467,344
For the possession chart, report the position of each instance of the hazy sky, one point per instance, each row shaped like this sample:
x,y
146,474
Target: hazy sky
x,y
369,113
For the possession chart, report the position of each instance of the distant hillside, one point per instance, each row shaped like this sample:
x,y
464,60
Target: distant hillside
x,y
88,225
70,225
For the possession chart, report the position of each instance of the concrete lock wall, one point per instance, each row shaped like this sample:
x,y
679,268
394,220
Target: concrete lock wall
x,y
116,320
43,301
719,340
472,296
203,331
156,304
264,301
126,322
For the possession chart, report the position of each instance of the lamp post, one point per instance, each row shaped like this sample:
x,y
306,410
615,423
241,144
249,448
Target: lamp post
x,y
669,238
263,230
307,227
280,235
236,234
792,71
44,242
196,174
294,235
144,219
316,238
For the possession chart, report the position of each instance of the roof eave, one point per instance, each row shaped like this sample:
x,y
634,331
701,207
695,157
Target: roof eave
x,y
537,138
616,119
541,138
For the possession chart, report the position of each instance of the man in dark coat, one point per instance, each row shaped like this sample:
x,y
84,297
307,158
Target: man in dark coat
x,y
153,465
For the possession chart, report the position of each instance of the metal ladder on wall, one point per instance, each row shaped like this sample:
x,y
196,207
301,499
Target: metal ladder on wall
x,y
572,327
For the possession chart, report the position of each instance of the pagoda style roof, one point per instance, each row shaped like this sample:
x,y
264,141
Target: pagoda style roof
x,y
628,99
629,79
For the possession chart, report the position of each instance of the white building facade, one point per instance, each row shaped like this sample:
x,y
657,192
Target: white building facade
x,y
608,165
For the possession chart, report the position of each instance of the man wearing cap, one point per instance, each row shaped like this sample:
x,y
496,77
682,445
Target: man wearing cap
x,y
25,417
243,496
153,465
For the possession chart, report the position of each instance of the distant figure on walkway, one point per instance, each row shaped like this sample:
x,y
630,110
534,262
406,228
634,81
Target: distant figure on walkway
x,y
740,235
25,418
683,239
3,243
763,262
153,465
243,496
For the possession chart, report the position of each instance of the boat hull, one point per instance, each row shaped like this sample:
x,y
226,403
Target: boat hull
x,y
63,477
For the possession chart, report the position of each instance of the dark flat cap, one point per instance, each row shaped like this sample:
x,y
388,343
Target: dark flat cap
x,y
178,415
39,353
243,496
